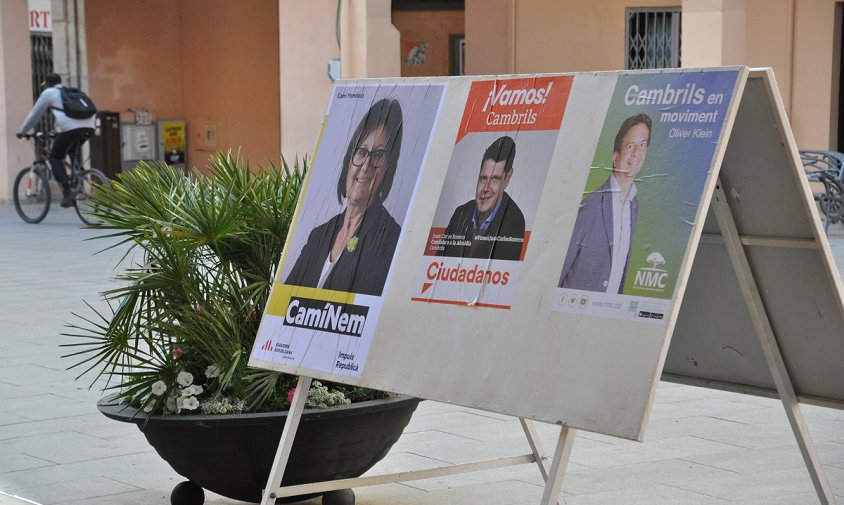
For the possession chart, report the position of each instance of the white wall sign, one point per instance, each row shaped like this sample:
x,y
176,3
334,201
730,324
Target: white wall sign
x,y
40,16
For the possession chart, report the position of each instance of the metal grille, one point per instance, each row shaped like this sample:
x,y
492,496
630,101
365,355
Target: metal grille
x,y
42,64
653,38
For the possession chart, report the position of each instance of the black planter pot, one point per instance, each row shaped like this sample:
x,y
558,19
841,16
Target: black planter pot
x,y
232,454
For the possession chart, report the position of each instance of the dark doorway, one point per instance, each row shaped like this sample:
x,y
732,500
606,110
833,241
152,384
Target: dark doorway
x,y
42,64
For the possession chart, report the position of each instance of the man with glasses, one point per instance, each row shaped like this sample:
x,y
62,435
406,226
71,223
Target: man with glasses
x,y
602,241
492,225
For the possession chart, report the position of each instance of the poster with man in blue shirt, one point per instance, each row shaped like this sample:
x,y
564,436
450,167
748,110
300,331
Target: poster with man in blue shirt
x,y
491,225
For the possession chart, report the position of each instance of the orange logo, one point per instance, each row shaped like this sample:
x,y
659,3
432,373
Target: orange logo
x,y
534,103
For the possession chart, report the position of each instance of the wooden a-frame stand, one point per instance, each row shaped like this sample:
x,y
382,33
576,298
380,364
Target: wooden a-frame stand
x,y
553,468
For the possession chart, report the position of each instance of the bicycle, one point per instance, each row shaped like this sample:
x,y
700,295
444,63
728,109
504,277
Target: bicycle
x,y
827,168
32,185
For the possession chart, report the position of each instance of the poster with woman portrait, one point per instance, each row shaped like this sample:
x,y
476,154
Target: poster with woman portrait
x,y
327,298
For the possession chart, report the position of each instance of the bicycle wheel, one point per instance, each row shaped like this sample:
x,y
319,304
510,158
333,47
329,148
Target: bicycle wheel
x,y
32,193
88,182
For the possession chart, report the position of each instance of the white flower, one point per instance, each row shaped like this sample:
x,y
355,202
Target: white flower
x,y
213,371
192,390
190,403
184,379
170,405
159,388
148,407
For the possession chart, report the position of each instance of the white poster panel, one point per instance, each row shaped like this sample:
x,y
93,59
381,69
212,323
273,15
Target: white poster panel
x,y
513,349
642,194
40,16
325,304
482,226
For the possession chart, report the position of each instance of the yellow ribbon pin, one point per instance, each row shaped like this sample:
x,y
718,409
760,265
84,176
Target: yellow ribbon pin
x,y
353,244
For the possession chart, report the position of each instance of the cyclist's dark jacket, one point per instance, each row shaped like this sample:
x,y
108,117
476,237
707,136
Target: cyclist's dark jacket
x,y
363,270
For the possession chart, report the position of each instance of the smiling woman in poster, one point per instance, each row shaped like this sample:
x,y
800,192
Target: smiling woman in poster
x,y
352,252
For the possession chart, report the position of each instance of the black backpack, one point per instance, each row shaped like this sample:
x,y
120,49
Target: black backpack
x,y
76,104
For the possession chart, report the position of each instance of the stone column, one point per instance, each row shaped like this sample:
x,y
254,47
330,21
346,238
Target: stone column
x,y
369,43
713,32
15,92
490,37
70,53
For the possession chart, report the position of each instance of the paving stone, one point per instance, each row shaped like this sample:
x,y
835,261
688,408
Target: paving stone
x,y
65,492
644,495
792,499
12,461
685,447
692,425
446,420
760,486
29,428
751,437
617,478
499,493
447,447
755,460
139,470
9,499
63,447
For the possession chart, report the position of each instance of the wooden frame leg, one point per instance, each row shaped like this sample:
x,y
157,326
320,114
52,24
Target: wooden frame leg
x,y
535,446
768,341
285,444
554,482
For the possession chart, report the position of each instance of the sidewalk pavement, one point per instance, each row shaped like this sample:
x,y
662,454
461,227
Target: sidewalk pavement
x,y
701,446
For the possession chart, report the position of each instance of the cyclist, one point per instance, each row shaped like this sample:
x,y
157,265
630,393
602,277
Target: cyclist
x,y
71,132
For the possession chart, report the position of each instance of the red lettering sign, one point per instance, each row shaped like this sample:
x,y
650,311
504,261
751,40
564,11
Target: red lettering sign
x,y
39,19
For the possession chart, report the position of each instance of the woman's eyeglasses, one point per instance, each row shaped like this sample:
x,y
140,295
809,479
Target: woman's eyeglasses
x,y
377,157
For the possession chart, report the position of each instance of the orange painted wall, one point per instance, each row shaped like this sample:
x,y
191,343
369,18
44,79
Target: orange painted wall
x,y
230,72
213,63
573,36
134,56
489,37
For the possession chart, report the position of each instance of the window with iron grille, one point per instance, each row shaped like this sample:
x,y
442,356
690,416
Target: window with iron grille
x,y
652,38
42,64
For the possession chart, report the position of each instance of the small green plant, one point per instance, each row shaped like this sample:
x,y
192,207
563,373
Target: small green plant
x,y
181,326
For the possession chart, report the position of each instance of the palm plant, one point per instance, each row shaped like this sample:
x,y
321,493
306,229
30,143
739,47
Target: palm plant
x,y
181,327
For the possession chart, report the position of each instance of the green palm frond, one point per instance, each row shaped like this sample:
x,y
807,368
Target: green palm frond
x,y
204,250
208,246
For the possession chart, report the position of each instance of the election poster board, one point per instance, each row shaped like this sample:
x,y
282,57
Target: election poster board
x,y
515,348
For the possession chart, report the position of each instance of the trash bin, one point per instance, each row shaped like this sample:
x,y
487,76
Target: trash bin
x,y
105,146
